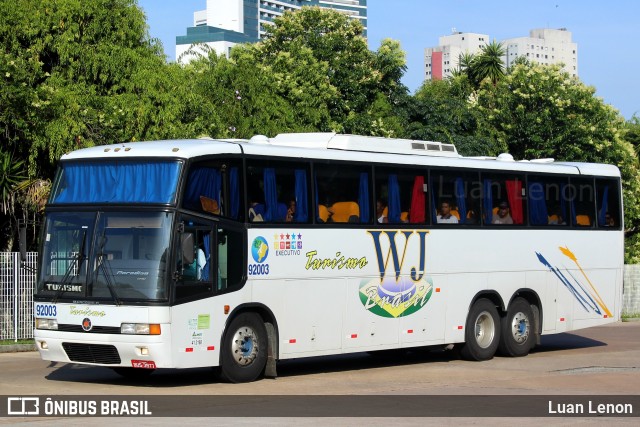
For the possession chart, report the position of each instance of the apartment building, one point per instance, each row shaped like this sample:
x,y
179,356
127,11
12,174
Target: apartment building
x,y
544,46
225,23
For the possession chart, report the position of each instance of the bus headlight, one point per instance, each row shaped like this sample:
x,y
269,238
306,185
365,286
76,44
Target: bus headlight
x,y
140,329
50,324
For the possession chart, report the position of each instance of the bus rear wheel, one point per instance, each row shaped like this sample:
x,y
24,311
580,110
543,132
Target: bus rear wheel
x,y
482,333
517,336
244,352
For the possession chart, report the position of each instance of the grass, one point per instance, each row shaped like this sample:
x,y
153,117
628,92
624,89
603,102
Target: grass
x,y
12,342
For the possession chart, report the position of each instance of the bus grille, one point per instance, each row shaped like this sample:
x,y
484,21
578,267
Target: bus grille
x,y
92,353
94,330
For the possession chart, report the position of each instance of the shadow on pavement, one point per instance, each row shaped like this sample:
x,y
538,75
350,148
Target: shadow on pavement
x,y
296,367
566,341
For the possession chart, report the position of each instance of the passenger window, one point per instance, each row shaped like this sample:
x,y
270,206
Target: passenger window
x,y
455,197
547,200
503,201
399,194
581,197
207,185
278,192
608,199
343,193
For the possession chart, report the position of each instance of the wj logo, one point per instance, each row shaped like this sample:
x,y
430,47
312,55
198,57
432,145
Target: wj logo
x,y
397,293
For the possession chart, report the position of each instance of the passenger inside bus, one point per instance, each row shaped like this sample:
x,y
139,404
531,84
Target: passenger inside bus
x,y
446,216
608,220
382,211
502,216
256,212
291,211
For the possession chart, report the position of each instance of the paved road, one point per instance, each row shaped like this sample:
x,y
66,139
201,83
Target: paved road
x,y
596,361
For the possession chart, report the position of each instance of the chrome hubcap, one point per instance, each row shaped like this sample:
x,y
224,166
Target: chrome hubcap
x,y
244,346
485,329
520,327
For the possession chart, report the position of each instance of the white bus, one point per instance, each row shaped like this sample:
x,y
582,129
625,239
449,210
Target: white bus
x,y
239,253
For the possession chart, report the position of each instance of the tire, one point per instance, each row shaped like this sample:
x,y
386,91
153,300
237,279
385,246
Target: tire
x,y
482,334
518,329
244,350
133,373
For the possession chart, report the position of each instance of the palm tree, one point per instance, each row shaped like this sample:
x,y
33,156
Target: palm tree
x,y
465,60
488,64
11,174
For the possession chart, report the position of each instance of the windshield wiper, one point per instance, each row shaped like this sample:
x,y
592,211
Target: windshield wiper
x,y
75,263
106,270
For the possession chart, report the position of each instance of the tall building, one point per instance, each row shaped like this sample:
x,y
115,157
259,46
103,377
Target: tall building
x,y
225,23
441,61
544,46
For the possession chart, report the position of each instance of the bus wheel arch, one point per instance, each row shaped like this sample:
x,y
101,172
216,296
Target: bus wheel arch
x,y
261,323
482,330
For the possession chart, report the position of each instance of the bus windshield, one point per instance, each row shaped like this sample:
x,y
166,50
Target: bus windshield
x,y
110,181
111,256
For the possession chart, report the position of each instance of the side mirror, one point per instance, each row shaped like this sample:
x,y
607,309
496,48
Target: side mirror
x,y
188,251
22,242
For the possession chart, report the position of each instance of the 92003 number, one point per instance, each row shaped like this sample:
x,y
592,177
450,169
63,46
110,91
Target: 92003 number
x,y
258,269
46,310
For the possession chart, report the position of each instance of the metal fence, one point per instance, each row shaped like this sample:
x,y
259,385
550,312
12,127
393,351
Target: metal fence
x,y
17,283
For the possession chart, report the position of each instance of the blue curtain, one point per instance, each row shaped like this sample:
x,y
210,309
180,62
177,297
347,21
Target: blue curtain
x,y
487,202
270,195
538,213
302,202
363,198
207,253
234,188
572,206
604,207
394,199
118,182
461,201
203,181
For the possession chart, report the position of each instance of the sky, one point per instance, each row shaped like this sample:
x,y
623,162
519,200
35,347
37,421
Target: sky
x,y
607,33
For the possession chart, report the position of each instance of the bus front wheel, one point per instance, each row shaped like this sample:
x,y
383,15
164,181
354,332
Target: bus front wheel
x,y
517,336
482,333
244,353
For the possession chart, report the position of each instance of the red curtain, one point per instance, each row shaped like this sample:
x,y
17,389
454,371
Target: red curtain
x,y
514,194
416,215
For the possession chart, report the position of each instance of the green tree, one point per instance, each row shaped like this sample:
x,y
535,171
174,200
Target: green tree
x,y
632,133
12,173
330,44
77,74
441,111
391,62
241,94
